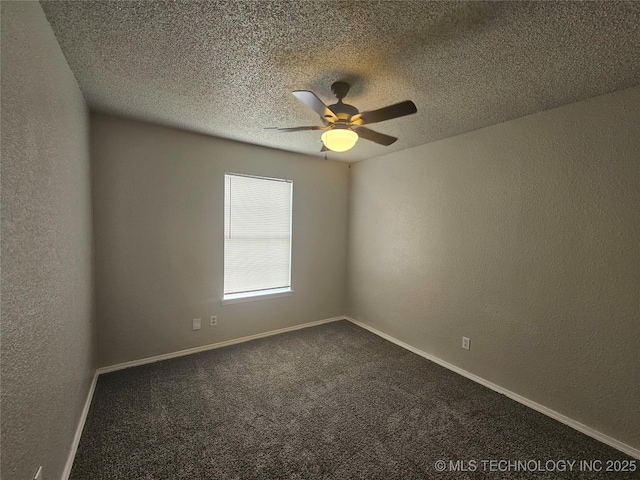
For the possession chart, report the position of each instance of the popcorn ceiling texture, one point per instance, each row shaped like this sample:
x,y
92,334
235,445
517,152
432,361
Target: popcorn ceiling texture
x,y
47,331
228,68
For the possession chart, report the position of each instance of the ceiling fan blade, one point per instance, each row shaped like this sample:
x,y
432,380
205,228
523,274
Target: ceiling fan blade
x,y
377,137
386,113
310,99
297,129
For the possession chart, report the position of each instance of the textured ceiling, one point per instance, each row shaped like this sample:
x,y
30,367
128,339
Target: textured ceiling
x,y
228,68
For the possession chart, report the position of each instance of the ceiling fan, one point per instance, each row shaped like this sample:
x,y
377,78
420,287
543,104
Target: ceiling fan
x,y
343,123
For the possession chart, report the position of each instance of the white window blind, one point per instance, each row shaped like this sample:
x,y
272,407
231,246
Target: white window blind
x,y
257,235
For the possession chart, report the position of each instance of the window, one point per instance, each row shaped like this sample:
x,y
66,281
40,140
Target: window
x,y
257,237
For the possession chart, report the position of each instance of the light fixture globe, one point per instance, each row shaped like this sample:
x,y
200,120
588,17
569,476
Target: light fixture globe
x,y
339,139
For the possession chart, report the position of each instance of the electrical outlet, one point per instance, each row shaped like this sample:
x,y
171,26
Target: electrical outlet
x,y
197,323
214,320
466,343
39,474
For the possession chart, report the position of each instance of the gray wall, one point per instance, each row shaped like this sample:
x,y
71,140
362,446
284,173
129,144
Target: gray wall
x,y
524,237
158,209
47,332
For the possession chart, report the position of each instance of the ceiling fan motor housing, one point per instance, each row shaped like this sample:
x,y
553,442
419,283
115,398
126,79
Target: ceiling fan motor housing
x,y
343,111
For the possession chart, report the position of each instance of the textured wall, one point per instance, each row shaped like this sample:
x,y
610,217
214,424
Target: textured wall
x,y
48,347
524,237
158,209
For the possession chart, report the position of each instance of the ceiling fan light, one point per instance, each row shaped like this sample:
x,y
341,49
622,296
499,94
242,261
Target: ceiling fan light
x,y
339,139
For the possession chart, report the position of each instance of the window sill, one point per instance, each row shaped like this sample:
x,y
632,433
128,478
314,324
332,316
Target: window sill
x,y
253,296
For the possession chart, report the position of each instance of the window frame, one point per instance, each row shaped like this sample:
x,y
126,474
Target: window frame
x,y
253,295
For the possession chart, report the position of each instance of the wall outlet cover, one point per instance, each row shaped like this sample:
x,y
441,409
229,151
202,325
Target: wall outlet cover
x,y
214,320
197,323
466,343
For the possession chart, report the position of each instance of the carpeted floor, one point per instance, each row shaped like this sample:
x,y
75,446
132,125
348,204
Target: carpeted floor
x,y
328,402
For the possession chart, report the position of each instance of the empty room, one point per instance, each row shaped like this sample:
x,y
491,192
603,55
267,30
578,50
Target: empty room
x,y
320,240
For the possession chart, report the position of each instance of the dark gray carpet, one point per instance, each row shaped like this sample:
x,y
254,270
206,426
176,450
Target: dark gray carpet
x,y
330,402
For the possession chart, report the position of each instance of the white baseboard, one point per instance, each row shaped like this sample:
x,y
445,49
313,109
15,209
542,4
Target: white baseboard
x,y
623,447
212,346
79,428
